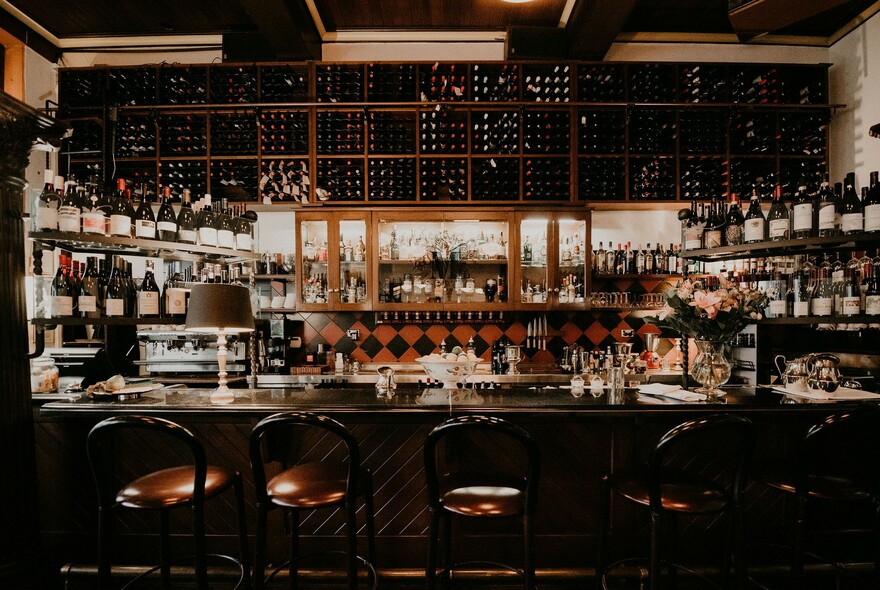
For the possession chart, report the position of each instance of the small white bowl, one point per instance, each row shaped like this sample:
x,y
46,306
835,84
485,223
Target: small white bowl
x,y
448,372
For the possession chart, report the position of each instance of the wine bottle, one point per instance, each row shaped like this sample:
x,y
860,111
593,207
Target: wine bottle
x,y
186,220
822,298
852,215
693,238
714,231
779,218
872,205
800,295
827,204
116,301
207,224
46,205
174,295
166,221
802,216
62,290
244,231
94,215
872,296
851,297
70,210
88,297
148,295
121,214
733,230
144,220
225,227
755,224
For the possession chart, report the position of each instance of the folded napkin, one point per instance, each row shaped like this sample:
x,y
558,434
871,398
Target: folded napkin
x,y
671,391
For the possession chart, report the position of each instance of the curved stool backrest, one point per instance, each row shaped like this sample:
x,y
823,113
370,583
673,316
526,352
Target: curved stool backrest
x,y
100,438
472,424
845,446
270,441
730,437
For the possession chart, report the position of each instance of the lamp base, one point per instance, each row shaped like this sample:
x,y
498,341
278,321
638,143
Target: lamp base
x,y
222,395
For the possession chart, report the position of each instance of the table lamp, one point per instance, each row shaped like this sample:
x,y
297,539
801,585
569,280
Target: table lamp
x,y
220,309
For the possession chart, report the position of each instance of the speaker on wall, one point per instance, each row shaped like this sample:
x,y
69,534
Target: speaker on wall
x,y
535,43
247,46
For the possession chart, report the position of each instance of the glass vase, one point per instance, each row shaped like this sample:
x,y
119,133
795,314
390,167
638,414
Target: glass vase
x,y
712,366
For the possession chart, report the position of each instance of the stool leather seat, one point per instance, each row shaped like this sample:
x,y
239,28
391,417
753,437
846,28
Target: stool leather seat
x,y
782,476
475,495
312,485
679,491
171,487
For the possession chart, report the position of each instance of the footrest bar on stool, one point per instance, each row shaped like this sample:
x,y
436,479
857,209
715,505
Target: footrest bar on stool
x,y
138,572
371,570
642,572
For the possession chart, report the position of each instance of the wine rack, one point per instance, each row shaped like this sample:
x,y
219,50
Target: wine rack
x,y
624,131
233,180
181,174
793,170
140,173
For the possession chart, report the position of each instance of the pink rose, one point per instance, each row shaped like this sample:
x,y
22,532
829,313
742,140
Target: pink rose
x,y
665,312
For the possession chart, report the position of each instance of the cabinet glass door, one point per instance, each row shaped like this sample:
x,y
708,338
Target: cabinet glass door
x,y
534,278
314,250
574,258
353,276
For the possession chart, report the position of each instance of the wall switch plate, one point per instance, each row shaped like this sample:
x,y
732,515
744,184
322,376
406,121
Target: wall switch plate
x,y
627,333
354,334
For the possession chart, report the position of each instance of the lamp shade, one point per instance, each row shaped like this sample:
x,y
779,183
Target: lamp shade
x,y
215,308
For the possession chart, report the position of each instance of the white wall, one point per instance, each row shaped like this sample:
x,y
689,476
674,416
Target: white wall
x,y
716,52
855,81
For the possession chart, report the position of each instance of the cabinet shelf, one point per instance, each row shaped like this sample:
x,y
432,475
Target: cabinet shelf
x,y
648,277
111,321
97,244
267,277
492,261
801,246
812,320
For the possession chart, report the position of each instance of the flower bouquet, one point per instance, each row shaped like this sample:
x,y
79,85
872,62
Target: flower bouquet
x,y
712,318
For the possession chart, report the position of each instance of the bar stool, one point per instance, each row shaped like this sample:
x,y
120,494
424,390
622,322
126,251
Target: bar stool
x,y
487,493
670,485
309,485
163,490
837,460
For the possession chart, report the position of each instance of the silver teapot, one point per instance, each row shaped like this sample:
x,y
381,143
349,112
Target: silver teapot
x,y
794,373
825,375
385,386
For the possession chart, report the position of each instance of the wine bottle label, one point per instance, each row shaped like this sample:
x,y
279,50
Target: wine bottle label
x,y
62,306
872,305
779,229
175,301
47,218
120,225
93,223
114,307
850,305
734,234
166,226
244,242
87,303
803,217
148,303
777,308
225,238
187,236
801,309
754,230
69,219
851,222
712,238
872,218
822,305
827,217
144,228
208,236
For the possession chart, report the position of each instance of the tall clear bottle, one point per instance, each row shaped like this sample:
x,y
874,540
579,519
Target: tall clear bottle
x,y
852,212
187,232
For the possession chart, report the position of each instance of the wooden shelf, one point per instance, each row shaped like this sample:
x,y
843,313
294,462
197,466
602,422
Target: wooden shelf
x,y
614,277
812,320
111,321
784,247
282,277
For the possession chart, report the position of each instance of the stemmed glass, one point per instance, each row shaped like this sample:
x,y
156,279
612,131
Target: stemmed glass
x,y
513,354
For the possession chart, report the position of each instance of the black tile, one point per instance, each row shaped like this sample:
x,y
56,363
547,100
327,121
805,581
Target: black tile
x,y
318,321
609,320
345,345
480,345
397,346
371,346
583,341
424,345
368,319
344,320
607,342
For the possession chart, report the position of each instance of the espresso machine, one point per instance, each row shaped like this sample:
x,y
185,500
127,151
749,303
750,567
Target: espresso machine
x,y
178,354
279,345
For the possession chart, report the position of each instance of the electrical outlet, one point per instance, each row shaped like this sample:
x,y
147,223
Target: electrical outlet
x,y
627,333
354,334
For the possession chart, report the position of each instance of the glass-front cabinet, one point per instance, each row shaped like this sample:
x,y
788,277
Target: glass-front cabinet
x,y
334,271
553,261
442,260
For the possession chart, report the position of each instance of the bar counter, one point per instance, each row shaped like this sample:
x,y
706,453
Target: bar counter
x,y
580,440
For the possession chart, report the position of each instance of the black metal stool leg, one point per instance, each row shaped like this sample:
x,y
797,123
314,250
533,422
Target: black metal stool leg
x,y
654,567
448,562
260,549
671,525
433,533
351,535
165,548
739,547
529,543
294,549
800,533
105,534
198,512
241,515
604,508
371,522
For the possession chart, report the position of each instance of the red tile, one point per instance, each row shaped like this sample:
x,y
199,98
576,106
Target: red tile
x,y
409,356
596,333
437,333
411,334
490,333
384,333
616,332
384,356
332,333
543,356
516,333
463,334
360,356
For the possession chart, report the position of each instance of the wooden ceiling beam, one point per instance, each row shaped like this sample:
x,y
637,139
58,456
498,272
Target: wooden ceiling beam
x,y
593,26
288,27
28,37
760,17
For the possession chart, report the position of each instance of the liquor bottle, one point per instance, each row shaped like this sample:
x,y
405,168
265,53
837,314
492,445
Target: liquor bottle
x,y
186,220
144,220
672,260
225,227
640,260
852,214
166,220
802,213
800,295
822,298
755,225
872,205
207,224
116,302
121,214
46,205
62,290
779,218
148,297
827,205
88,297
527,250
733,230
70,210
630,258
